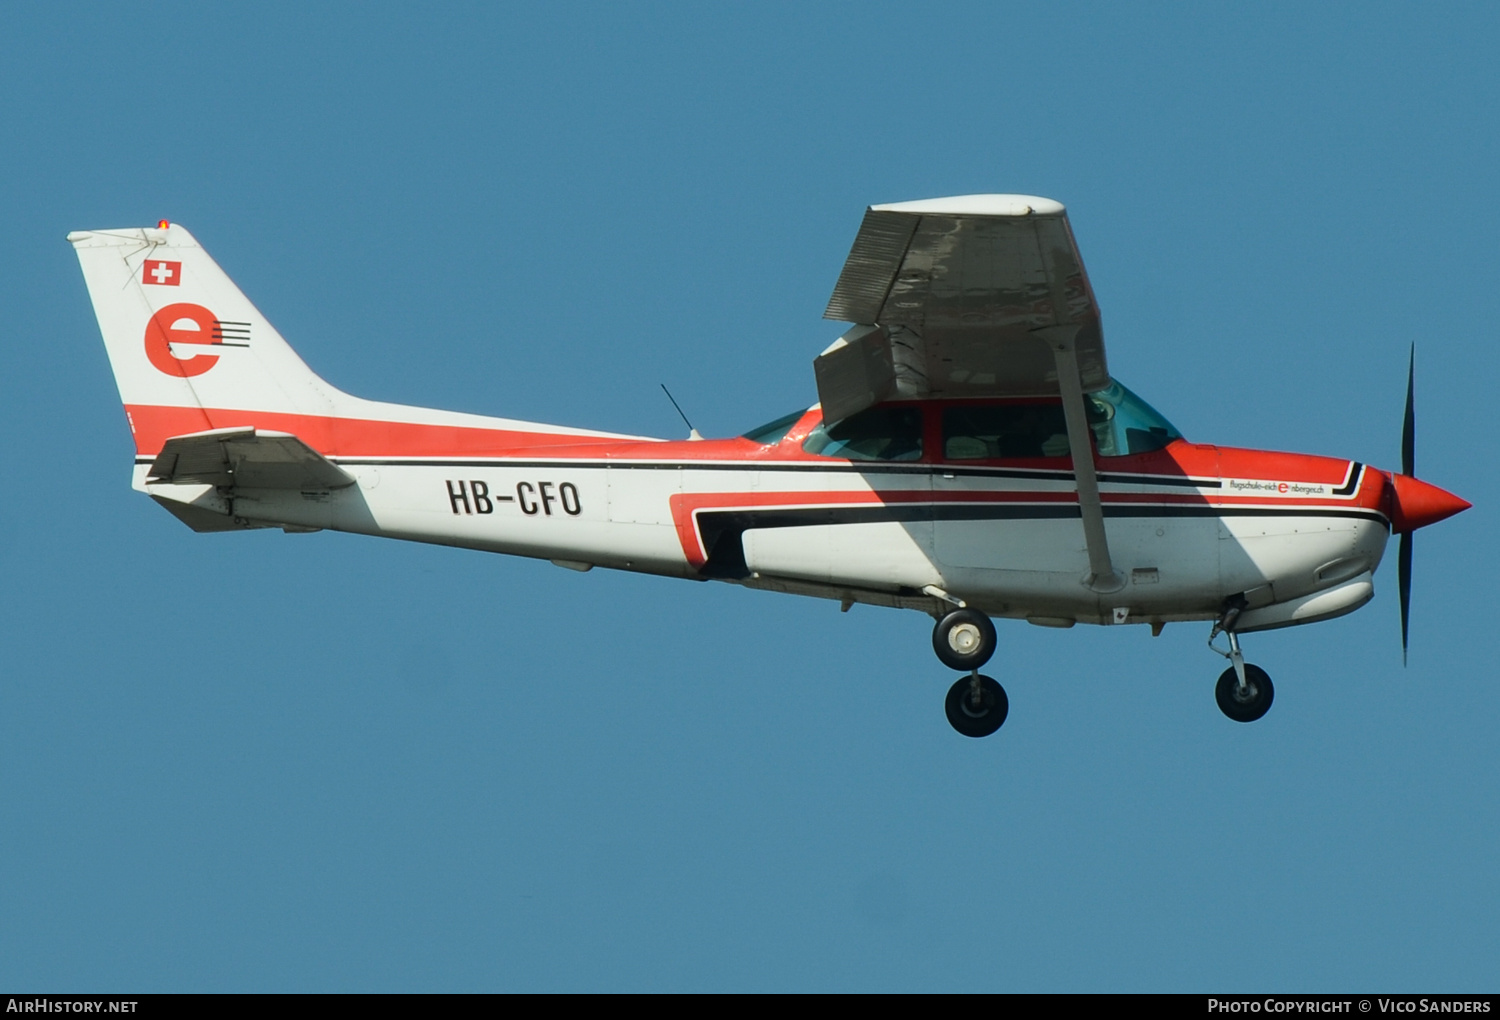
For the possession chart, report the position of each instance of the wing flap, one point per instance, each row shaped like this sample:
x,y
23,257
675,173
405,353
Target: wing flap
x,y
245,458
856,372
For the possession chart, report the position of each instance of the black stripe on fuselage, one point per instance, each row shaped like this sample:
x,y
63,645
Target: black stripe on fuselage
x,y
934,470
797,517
1356,472
722,531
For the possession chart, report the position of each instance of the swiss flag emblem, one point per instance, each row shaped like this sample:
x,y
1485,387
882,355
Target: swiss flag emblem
x,y
162,274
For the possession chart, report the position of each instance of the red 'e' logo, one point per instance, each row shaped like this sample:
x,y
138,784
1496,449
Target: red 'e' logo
x,y
181,324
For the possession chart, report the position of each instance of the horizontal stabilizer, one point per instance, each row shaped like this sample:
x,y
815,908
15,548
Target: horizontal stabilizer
x,y
245,458
199,519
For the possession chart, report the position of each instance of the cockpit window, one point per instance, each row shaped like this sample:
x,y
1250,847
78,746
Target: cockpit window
x,y
880,433
1004,431
1123,423
775,431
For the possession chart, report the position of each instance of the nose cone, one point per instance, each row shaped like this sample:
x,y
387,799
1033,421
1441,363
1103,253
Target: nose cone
x,y
1416,504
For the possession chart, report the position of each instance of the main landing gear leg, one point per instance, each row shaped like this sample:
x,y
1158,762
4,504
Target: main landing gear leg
x,y
1244,691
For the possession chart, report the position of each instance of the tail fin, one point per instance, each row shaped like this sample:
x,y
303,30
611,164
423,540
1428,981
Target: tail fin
x,y
191,354
183,341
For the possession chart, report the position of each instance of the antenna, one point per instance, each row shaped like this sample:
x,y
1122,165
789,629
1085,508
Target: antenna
x,y
693,435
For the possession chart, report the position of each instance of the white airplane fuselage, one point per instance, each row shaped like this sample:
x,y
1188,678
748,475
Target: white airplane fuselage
x,y
1004,538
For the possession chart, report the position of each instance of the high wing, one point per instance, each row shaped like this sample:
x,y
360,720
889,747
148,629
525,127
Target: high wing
x,y
972,296
953,293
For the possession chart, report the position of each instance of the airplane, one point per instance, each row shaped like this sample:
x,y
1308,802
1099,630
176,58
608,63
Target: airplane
x,y
970,457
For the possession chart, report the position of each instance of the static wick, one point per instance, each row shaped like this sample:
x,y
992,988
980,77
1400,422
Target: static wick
x,y
693,435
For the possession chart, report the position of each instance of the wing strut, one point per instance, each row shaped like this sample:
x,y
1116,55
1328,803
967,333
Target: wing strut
x,y
1062,339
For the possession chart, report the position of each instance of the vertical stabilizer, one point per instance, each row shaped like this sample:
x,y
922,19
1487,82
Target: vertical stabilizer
x,y
182,339
191,354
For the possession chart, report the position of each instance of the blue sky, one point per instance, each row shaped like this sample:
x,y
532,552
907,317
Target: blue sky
x,y
322,762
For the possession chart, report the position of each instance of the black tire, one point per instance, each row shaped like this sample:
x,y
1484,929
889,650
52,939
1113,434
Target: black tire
x,y
988,717
1260,693
970,620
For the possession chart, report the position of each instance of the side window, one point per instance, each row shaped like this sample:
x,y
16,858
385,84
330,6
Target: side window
x,y
880,433
1004,432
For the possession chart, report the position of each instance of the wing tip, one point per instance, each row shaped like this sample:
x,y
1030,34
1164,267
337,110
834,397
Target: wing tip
x,y
978,205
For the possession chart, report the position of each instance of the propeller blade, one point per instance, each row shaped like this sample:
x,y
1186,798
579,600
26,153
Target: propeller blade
x,y
1409,426
1403,580
1408,468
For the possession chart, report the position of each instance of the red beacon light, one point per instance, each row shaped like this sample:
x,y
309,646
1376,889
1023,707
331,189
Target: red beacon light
x,y
162,224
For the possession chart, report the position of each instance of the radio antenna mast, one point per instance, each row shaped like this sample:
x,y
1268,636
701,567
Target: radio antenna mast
x,y
693,434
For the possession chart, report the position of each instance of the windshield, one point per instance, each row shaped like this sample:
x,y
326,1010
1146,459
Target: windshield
x,y
1123,423
880,433
774,431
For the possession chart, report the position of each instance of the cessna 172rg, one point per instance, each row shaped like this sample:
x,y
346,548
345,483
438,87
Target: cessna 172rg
x,y
970,457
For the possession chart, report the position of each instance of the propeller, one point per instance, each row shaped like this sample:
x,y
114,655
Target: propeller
x,y
1408,468
1414,504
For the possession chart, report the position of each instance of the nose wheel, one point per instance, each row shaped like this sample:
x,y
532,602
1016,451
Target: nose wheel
x,y
1244,691
977,706
1245,702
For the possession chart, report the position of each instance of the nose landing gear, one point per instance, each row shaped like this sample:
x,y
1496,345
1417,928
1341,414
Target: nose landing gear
x,y
964,639
1244,691
1247,700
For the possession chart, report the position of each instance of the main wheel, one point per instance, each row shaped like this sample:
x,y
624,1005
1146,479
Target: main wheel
x,y
964,639
1251,703
981,717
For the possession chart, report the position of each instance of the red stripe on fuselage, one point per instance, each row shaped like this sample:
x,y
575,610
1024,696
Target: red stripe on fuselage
x,y
351,437
333,436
